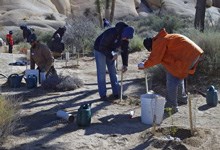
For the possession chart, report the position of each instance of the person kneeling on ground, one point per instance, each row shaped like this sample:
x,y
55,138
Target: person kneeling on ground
x,y
42,57
179,55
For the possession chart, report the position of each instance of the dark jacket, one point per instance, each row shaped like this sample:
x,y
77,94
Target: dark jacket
x,y
110,40
26,32
60,31
56,45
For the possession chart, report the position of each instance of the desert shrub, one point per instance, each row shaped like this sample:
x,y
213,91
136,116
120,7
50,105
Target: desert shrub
x,y
81,32
8,116
43,36
23,47
62,83
157,74
136,44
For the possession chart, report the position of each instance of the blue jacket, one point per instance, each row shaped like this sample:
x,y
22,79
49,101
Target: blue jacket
x,y
110,39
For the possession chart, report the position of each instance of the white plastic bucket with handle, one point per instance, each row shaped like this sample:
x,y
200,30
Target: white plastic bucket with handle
x,y
152,105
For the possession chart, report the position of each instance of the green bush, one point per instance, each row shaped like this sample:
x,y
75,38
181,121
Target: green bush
x,y
136,44
43,36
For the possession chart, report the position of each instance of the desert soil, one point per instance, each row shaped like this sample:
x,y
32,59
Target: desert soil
x,y
111,125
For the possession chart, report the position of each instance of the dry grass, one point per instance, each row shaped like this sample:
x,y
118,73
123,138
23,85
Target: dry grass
x,y
8,116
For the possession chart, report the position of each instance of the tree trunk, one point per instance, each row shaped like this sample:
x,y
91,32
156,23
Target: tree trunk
x,y
200,15
107,9
112,11
99,10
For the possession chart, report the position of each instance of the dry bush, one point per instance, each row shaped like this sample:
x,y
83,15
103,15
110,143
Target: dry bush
x,y
8,116
81,33
23,47
62,83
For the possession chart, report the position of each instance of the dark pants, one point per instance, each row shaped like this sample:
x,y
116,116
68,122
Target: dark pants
x,y
10,47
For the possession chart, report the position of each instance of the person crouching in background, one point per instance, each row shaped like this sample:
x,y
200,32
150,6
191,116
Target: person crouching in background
x,y
42,57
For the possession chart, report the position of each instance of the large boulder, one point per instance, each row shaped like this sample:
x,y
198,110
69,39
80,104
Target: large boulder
x,y
51,14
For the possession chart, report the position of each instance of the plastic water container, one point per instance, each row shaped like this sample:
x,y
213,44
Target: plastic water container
x,y
32,72
31,81
64,115
212,96
152,107
15,80
84,115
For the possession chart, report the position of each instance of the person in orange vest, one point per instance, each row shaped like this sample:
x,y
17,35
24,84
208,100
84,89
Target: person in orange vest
x,y
10,41
179,55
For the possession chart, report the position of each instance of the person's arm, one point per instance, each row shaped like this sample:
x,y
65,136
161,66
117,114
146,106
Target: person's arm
x,y
157,53
32,61
49,57
124,53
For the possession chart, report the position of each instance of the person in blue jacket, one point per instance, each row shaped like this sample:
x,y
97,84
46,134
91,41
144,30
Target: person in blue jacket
x,y
105,52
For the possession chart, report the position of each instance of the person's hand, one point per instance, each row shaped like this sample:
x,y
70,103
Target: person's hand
x,y
141,65
115,55
124,69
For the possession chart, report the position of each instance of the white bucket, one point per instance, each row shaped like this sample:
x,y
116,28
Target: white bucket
x,y
64,115
32,72
152,105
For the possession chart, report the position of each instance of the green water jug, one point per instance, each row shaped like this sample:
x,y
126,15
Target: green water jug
x,y
31,81
15,80
84,115
212,96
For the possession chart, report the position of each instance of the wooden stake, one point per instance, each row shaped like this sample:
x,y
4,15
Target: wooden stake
x,y
146,82
190,115
121,85
154,124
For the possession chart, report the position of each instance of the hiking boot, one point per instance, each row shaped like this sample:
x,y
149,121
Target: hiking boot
x,y
103,98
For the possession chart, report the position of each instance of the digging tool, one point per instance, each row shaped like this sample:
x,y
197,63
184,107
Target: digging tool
x,y
146,82
190,115
154,125
121,85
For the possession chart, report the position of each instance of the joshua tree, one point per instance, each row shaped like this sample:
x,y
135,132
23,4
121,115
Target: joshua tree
x,y
200,15
99,10
112,11
107,9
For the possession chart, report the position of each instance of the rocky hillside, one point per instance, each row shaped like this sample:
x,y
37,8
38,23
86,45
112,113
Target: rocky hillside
x,y
50,14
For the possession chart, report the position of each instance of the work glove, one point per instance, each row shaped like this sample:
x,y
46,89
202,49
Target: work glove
x,y
115,55
124,69
141,65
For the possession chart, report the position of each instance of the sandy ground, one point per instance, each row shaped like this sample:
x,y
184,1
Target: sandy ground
x,y
111,125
